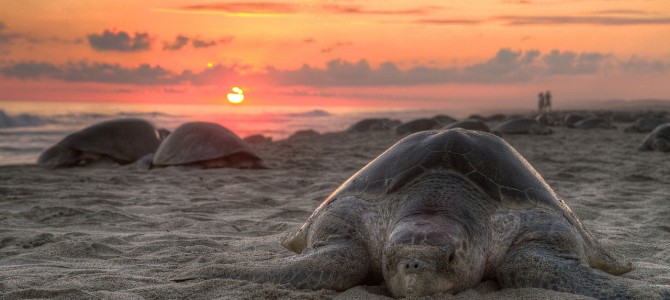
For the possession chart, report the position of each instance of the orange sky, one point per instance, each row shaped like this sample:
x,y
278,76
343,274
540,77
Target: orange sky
x,y
324,53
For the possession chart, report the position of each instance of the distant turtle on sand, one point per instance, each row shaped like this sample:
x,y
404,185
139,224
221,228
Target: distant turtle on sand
x,y
470,124
380,124
522,126
496,118
594,122
417,125
658,139
122,141
444,119
207,145
439,212
304,134
258,139
645,124
570,119
546,119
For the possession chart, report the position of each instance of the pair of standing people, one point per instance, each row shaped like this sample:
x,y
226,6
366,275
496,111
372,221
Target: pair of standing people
x,y
544,102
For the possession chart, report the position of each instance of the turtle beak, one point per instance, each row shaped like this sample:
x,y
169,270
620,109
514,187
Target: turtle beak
x,y
410,284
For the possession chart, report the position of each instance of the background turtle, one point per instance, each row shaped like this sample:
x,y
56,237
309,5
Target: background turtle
x,y
658,139
646,124
444,119
257,139
417,125
122,140
207,145
375,124
439,212
522,126
470,124
594,122
570,119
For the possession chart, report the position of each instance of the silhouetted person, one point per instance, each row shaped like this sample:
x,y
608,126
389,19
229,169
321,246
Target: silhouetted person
x,y
547,100
541,102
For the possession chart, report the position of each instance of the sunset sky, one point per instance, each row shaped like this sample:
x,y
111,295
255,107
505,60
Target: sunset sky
x,y
335,53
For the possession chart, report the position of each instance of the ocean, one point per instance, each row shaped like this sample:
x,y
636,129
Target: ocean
x,y
27,128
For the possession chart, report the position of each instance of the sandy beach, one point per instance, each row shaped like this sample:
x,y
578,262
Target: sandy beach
x,y
121,232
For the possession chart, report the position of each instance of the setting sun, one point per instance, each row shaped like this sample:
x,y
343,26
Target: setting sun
x,y
236,96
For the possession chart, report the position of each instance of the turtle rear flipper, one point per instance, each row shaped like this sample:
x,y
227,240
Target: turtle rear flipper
x,y
536,265
337,266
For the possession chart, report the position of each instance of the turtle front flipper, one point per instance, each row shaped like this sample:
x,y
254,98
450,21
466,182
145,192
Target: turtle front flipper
x,y
337,266
535,265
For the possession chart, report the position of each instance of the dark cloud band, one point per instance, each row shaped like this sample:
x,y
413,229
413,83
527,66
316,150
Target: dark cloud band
x,y
119,41
507,66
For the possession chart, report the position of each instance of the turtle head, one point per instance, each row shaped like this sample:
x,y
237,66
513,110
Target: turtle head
x,y
433,262
661,145
58,156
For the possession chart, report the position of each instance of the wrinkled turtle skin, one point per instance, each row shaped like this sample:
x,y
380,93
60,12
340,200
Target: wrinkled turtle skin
x,y
122,140
439,212
658,139
206,145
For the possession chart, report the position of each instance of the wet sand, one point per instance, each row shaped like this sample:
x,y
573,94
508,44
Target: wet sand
x,y
120,232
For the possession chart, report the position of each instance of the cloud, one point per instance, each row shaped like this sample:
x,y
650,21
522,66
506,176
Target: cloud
x,y
285,8
97,72
505,66
449,21
556,20
245,8
32,70
197,43
335,46
573,63
591,20
638,65
6,37
360,10
180,42
622,12
119,41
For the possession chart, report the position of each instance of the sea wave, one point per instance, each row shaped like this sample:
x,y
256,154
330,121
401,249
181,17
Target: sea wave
x,y
20,120
311,113
21,149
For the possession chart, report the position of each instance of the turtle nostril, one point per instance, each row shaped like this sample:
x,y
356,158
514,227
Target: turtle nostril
x,y
406,266
416,266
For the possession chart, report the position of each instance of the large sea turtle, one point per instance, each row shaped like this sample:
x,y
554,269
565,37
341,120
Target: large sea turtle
x,y
206,145
122,140
658,139
522,126
439,212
